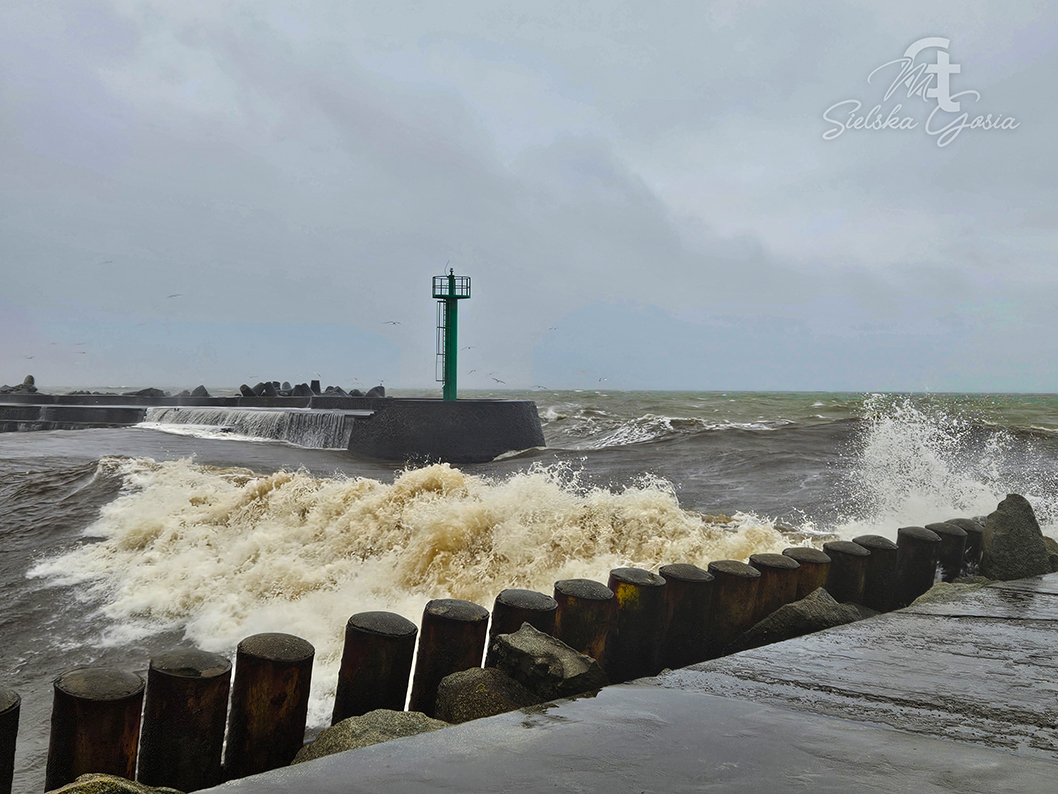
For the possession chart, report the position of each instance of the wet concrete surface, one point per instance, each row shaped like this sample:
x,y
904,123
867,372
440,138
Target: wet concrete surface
x,y
956,697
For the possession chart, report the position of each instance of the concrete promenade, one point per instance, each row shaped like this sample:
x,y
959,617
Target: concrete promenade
x,y
959,696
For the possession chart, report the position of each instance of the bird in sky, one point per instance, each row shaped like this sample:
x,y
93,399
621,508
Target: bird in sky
x,y
468,347
472,372
499,381
28,356
553,328
602,379
175,295
391,322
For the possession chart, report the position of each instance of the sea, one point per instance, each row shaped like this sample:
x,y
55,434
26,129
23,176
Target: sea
x,y
123,543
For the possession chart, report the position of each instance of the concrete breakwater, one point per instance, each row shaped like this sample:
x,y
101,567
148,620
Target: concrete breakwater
x,y
370,426
635,625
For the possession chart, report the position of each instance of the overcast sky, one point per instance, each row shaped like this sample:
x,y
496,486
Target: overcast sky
x,y
199,191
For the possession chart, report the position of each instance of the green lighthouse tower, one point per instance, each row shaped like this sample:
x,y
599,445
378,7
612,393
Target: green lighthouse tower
x,y
448,290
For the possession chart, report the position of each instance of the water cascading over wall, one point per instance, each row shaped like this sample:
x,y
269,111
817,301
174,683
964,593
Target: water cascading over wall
x,y
313,429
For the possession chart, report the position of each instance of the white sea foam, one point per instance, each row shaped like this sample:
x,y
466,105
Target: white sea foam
x,y
224,553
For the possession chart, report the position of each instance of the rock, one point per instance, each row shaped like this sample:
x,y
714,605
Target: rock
x,y
149,392
337,391
269,390
286,386
199,391
545,666
815,612
377,391
183,393
947,591
375,727
315,386
29,380
246,391
974,579
301,390
97,783
1013,543
1052,552
480,692
355,393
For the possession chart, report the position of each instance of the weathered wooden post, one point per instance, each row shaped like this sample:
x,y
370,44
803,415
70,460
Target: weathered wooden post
x,y
688,604
514,607
734,601
452,639
269,703
881,571
95,724
916,563
582,619
778,582
974,544
636,631
184,713
10,705
815,567
848,570
376,663
952,549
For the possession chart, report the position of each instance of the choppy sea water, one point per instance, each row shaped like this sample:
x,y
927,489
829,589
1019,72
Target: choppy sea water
x,y
119,544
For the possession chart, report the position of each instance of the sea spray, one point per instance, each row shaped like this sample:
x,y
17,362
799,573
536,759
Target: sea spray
x,y
222,553
919,459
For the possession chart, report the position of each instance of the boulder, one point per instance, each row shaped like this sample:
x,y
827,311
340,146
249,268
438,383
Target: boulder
x,y
355,393
1052,552
286,386
377,391
199,391
301,390
148,392
815,612
947,591
269,389
480,692
246,391
98,783
545,666
1013,544
375,727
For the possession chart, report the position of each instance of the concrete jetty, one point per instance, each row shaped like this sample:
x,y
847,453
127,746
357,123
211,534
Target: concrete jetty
x,y
959,696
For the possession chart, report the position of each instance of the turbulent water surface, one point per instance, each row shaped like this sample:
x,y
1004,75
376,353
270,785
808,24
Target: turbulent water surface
x,y
123,543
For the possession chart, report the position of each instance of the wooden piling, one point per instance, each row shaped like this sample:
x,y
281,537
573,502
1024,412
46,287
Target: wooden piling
x,y
815,567
916,563
582,619
95,724
974,544
376,664
452,639
881,572
184,714
512,608
778,582
636,631
10,705
734,601
952,549
269,704
848,570
688,605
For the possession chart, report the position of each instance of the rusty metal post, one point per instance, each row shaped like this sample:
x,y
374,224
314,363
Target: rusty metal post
x,y
10,705
688,604
916,564
734,601
582,619
815,567
974,544
95,724
952,549
184,713
452,639
376,664
269,703
634,644
848,570
779,574
881,572
514,607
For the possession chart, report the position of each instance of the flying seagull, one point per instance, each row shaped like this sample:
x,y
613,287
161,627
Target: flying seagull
x,y
391,322
499,381
175,295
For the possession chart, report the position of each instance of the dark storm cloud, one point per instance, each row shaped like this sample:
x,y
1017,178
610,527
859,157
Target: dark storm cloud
x,y
280,166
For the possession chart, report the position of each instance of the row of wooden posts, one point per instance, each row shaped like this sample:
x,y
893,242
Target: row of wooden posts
x,y
635,625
